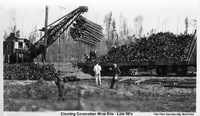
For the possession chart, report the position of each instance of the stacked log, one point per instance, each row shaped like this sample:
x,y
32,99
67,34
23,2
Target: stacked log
x,y
86,31
31,72
157,47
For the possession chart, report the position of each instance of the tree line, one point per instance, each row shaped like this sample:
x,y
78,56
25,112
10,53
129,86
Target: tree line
x,y
65,49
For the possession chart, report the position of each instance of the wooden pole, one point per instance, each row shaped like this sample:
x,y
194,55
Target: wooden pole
x,y
22,57
17,57
46,36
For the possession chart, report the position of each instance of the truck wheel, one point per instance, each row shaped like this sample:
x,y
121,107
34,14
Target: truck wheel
x,y
85,69
181,70
161,70
123,71
91,72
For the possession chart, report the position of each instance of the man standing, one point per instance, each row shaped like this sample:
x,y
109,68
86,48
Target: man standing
x,y
97,70
116,72
59,80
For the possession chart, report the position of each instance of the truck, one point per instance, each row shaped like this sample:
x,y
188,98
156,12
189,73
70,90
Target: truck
x,y
160,67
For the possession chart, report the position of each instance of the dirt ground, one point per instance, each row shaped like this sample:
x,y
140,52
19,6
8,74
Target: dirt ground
x,y
43,95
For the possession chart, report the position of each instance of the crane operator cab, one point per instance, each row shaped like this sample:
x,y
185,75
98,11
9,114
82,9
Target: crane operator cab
x,y
92,56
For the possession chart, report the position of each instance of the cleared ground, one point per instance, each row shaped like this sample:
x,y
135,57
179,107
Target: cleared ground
x,y
42,95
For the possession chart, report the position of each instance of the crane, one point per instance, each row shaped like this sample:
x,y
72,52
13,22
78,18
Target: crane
x,y
54,31
192,47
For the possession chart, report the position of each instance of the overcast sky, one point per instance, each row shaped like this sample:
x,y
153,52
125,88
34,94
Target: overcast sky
x,y
162,15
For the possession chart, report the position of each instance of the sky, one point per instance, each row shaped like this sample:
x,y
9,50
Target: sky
x,y
162,15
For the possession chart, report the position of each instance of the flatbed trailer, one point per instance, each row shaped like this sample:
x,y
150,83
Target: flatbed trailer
x,y
161,67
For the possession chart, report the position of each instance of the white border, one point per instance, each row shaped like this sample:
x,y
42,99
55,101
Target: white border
x,y
43,2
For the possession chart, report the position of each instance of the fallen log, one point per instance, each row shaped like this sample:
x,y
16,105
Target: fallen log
x,y
180,86
152,83
169,81
141,80
187,82
125,79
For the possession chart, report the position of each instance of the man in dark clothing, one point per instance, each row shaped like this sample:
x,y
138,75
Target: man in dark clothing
x,y
116,72
60,84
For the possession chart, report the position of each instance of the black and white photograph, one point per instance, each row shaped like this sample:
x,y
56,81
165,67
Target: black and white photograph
x,y
99,57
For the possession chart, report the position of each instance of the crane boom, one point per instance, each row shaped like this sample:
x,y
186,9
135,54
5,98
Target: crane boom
x,y
192,47
55,30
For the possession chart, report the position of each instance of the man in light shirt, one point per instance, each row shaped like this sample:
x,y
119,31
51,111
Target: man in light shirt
x,y
97,70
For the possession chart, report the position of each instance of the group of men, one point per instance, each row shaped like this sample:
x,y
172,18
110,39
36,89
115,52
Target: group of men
x,y
115,72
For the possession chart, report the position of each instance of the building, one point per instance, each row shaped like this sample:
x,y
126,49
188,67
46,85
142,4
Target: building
x,y
14,49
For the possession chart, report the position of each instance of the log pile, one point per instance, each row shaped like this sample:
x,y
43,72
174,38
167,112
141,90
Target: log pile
x,y
86,31
157,47
31,72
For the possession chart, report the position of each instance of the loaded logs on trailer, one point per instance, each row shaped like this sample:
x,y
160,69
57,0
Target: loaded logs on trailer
x,y
165,52
86,31
157,47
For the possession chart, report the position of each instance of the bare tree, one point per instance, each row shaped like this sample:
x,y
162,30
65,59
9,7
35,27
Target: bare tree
x,y
125,28
121,18
13,21
13,24
33,35
113,29
107,21
193,22
186,26
5,35
164,25
138,25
